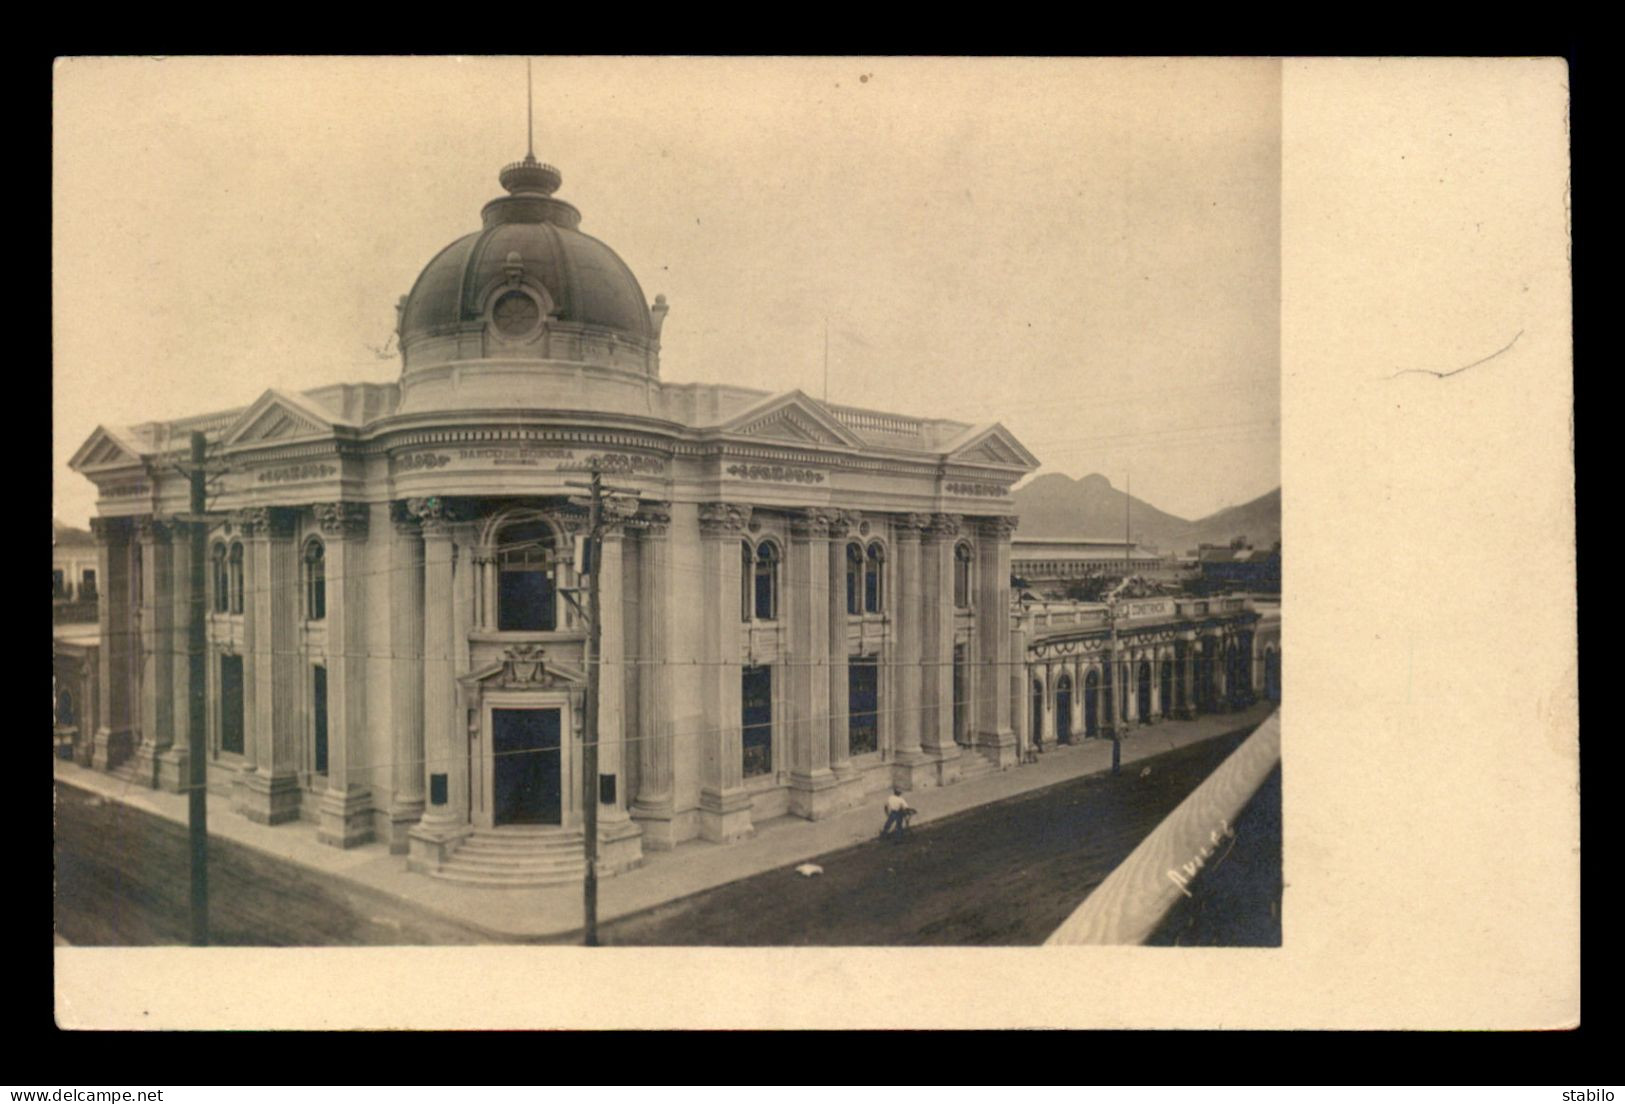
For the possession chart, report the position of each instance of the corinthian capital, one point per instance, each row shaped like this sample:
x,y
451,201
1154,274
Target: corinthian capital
x,y
723,519
910,526
1002,527
812,523
264,521
944,526
434,513
109,530
342,519
842,522
153,530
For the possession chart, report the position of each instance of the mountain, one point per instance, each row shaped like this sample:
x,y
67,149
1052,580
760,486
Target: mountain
x,y
1056,505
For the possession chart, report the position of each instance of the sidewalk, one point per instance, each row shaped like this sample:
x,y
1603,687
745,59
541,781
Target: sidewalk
x,y
554,913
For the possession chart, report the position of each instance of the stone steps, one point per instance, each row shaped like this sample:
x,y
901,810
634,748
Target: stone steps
x,y
517,856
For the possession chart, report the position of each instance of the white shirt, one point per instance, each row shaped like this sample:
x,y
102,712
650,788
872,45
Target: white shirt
x,y
895,803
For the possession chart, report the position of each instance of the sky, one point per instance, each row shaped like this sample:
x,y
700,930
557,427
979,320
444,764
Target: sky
x,y
1087,251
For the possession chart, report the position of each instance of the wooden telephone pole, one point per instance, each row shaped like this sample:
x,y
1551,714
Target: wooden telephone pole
x,y
591,783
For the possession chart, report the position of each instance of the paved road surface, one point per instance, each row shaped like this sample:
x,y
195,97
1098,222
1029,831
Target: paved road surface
x,y
1005,874
122,880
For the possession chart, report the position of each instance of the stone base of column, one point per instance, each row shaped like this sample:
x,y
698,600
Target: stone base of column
x,y
143,765
946,764
620,846
345,818
429,845
816,795
725,816
658,822
110,748
913,770
174,769
266,799
398,822
1000,747
84,749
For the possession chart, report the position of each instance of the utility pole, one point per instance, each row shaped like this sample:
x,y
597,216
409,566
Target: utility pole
x,y
589,753
197,808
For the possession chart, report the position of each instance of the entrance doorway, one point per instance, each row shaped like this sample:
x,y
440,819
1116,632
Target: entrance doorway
x,y
1167,687
526,787
1091,704
1143,678
1063,710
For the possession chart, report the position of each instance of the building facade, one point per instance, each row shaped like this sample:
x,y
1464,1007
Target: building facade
x,y
1095,669
1050,564
802,602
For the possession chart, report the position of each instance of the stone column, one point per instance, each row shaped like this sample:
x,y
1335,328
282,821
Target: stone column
x,y
158,645
173,772
1048,730
910,766
1187,705
655,806
407,771
812,782
619,839
724,804
993,735
268,790
937,646
1156,686
841,523
445,735
346,805
112,742
1075,669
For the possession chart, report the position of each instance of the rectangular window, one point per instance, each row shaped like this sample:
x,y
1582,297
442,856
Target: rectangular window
x,y
231,704
757,701
863,704
525,600
58,585
318,709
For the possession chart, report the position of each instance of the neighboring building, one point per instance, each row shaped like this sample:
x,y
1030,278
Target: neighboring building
x,y
1249,570
1091,667
74,650
1048,565
73,575
803,603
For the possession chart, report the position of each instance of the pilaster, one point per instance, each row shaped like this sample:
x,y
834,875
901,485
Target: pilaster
x,y
812,782
994,734
911,767
159,643
268,790
445,736
841,523
346,805
112,741
724,804
937,646
655,808
406,626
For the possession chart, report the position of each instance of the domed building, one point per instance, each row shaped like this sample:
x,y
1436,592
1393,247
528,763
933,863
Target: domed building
x,y
803,603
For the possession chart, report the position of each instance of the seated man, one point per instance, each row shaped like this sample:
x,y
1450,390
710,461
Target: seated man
x,y
897,813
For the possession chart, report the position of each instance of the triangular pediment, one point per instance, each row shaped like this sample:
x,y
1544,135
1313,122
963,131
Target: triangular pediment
x,y
106,448
991,445
793,417
276,416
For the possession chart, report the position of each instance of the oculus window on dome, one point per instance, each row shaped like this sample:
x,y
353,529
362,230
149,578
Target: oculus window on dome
x,y
516,314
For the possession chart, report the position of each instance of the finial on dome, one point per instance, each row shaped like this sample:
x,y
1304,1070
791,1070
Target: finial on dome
x,y
530,175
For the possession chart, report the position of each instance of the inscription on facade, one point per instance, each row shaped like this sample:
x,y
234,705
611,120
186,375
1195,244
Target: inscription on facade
x,y
774,473
419,461
295,473
975,490
527,456
1161,607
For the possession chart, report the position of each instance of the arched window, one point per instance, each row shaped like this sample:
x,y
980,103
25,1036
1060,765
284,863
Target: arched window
x,y
874,575
1037,718
767,581
526,585
315,581
234,572
962,576
222,585
854,578
747,568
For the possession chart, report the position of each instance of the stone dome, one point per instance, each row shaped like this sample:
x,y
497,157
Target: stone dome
x,y
497,292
